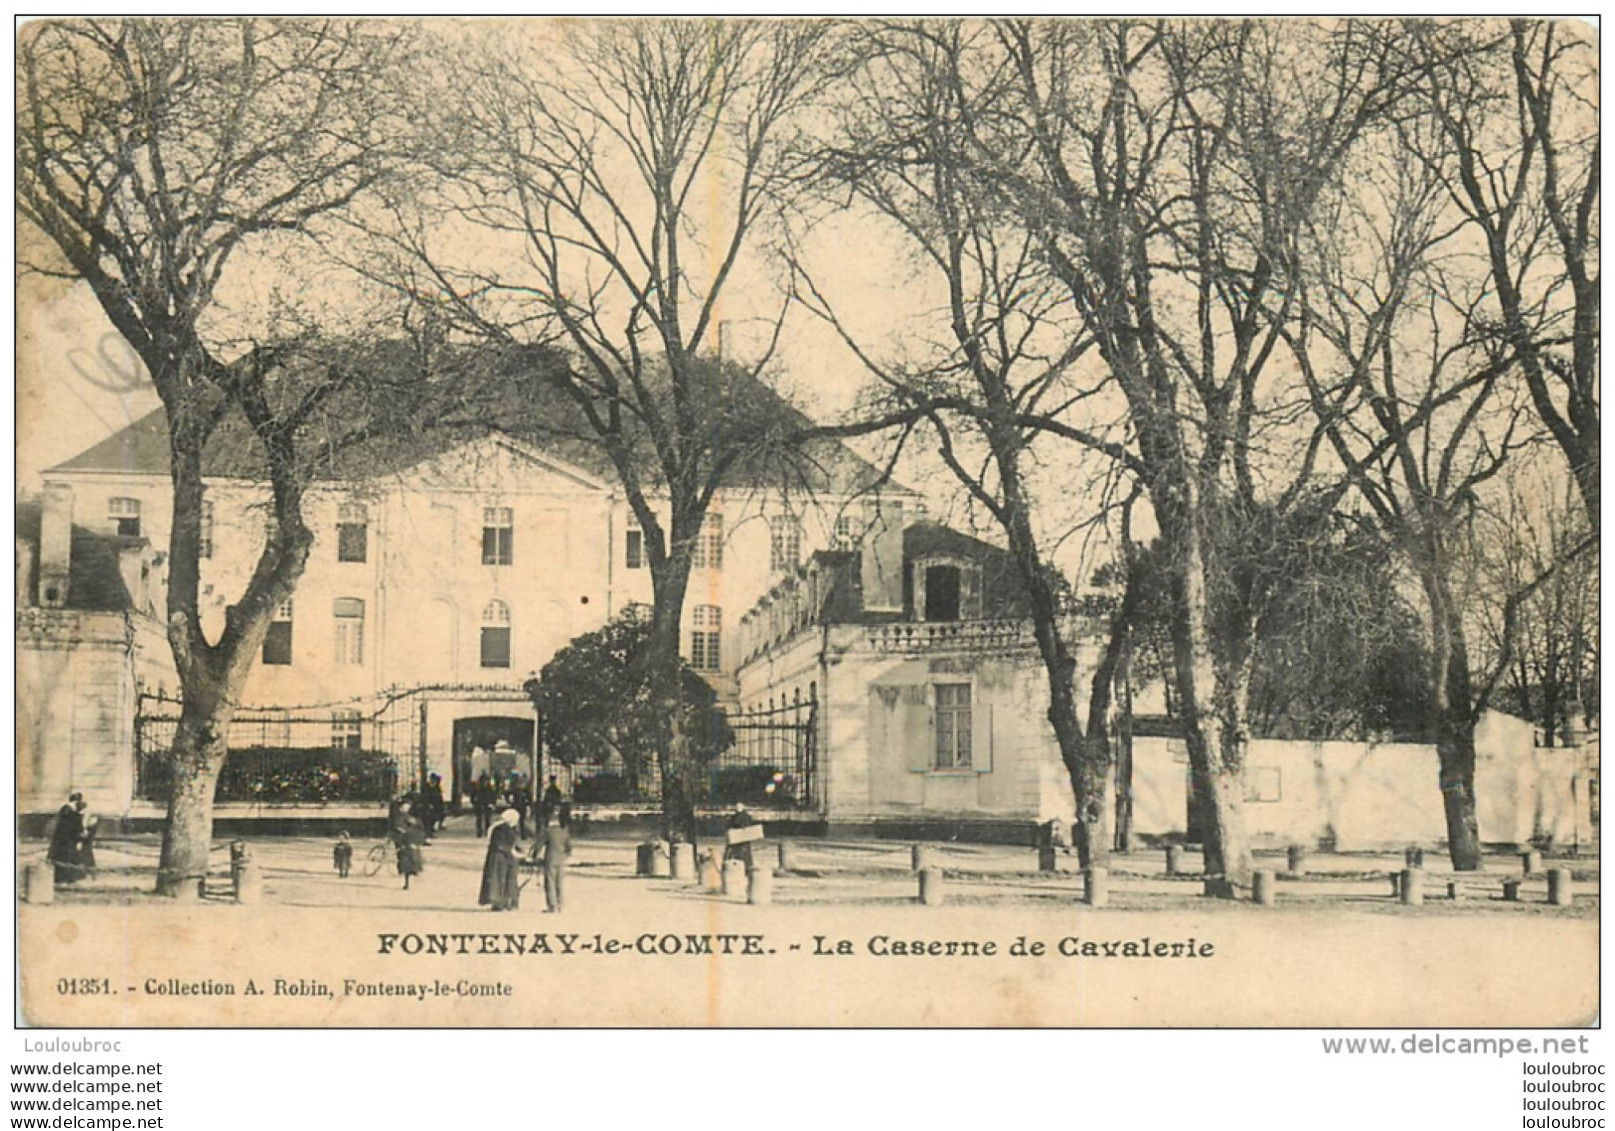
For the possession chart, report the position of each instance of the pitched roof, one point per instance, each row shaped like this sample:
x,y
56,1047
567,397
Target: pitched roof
x,y
472,400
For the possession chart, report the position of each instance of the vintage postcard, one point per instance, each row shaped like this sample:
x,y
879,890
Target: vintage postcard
x,y
617,523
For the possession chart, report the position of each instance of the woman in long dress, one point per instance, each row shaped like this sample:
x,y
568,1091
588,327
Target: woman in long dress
x,y
66,841
410,836
501,884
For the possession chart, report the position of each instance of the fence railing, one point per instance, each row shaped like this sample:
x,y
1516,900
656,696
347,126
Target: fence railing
x,y
772,764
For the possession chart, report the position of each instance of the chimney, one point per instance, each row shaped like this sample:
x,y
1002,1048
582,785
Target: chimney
x,y
881,568
55,544
25,573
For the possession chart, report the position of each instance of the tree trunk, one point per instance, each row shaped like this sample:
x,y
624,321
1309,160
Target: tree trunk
x,y
1452,683
1124,748
1455,748
1205,700
200,746
673,746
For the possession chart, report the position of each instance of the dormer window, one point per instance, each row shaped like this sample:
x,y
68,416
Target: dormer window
x,y
946,589
942,592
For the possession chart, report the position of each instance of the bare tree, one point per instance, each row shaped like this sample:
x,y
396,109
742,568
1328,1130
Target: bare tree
x,y
1170,170
1516,146
915,120
1539,530
610,185
1415,395
157,159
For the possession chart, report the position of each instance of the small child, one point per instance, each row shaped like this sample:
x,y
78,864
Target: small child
x,y
342,854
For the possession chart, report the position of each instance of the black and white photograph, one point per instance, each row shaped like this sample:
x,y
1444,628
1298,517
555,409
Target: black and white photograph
x,y
810,523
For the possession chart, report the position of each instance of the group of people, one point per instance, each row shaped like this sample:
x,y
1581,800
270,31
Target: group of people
x,y
72,842
413,817
501,876
489,797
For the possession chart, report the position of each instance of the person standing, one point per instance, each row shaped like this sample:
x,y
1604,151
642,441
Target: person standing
x,y
552,802
66,839
482,795
501,883
342,854
740,850
410,839
432,806
557,847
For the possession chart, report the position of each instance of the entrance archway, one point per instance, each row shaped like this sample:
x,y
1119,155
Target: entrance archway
x,y
496,745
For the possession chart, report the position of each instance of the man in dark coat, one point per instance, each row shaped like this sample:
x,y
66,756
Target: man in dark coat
x,y
482,798
432,807
553,799
501,884
67,839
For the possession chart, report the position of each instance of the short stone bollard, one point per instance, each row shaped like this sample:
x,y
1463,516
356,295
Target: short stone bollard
x,y
39,883
734,877
1174,860
1559,893
1047,859
1454,891
933,887
711,872
249,882
1413,858
760,885
787,856
1096,887
1396,884
1511,891
682,865
661,861
1412,887
921,857
644,854
1530,862
1296,860
1264,891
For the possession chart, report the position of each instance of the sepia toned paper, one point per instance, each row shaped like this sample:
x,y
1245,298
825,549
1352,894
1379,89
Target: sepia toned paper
x,y
916,875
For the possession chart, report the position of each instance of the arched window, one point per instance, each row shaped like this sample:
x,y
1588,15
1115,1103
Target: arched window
x,y
496,634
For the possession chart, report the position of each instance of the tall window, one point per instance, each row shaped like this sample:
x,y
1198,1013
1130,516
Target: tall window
x,y
635,549
496,634
709,544
204,546
345,730
953,723
278,641
706,628
348,615
352,532
125,517
784,543
844,536
497,541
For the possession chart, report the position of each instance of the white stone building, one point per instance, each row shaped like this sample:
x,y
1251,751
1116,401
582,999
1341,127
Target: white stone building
x,y
446,570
